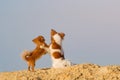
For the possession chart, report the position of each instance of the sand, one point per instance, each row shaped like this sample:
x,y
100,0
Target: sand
x,y
76,72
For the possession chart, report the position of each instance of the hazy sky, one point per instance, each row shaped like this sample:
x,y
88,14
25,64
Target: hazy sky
x,y
92,29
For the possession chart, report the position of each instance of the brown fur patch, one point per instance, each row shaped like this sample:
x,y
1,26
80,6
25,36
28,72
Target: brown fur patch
x,y
35,54
53,32
57,55
62,35
55,46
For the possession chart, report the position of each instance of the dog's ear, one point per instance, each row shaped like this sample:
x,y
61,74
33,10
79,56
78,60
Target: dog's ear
x,y
41,39
53,32
62,35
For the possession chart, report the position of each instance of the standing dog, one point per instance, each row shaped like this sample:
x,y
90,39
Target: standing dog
x,y
56,51
31,56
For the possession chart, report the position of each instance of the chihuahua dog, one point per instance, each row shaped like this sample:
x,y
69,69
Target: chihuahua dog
x,y
31,56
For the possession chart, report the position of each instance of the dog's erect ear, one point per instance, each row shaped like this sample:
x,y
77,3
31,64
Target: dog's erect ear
x,y
53,32
62,35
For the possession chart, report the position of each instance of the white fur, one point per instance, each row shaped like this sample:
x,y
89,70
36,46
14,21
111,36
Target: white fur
x,y
57,39
60,63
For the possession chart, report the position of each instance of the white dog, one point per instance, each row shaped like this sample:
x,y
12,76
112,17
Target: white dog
x,y
56,51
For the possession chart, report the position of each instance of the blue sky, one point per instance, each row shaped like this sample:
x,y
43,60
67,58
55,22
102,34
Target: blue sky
x,y
92,29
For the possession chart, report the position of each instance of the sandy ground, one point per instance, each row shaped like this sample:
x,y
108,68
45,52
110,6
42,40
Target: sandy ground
x,y
76,72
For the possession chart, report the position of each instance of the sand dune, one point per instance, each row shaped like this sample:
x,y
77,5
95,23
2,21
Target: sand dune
x,y
76,72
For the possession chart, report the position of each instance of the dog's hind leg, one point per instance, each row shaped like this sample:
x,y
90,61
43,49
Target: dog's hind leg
x,y
33,67
28,68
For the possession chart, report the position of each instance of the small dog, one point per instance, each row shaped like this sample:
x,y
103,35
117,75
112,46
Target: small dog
x,y
31,56
56,51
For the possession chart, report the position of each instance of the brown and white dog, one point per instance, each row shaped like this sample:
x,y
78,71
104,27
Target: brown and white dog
x,y
31,56
56,51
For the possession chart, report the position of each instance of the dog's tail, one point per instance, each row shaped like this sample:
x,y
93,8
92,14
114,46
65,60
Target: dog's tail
x,y
26,55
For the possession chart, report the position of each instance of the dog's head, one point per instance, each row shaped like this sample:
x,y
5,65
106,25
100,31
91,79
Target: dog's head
x,y
56,36
39,40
